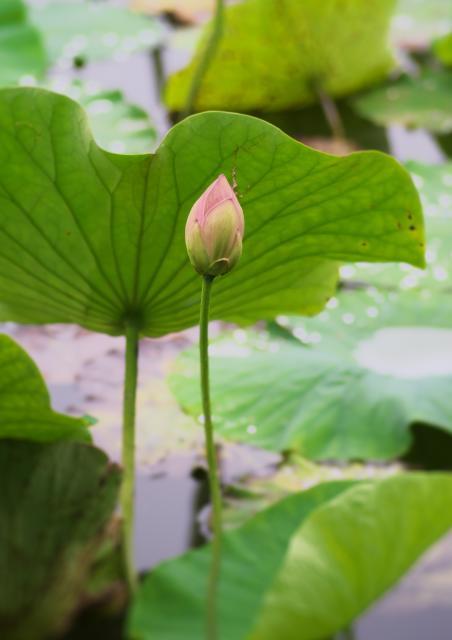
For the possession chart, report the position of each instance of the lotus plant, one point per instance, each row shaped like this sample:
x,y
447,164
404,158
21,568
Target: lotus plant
x,y
213,237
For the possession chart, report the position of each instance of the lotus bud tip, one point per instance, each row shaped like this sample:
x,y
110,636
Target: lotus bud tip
x,y
214,230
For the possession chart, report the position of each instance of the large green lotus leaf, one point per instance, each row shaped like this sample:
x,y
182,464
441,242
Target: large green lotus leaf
x,y
331,43
304,568
21,50
56,501
25,411
413,101
89,30
434,183
117,125
371,365
94,238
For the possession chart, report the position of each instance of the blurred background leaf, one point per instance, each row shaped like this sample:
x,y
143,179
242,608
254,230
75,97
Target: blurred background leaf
x,y
413,101
56,502
22,50
25,411
89,31
442,48
117,125
323,49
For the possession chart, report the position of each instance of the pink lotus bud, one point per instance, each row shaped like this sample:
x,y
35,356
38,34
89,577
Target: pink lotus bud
x,y
214,230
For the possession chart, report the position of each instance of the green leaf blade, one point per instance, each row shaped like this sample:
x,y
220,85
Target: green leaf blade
x,y
97,238
349,387
25,411
304,568
56,501
330,44
347,554
21,49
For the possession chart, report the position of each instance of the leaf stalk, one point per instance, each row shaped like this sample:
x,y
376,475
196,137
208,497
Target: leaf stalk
x,y
206,58
331,113
127,497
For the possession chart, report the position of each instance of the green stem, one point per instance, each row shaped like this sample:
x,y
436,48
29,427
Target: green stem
x,y
331,113
158,71
128,454
206,58
214,483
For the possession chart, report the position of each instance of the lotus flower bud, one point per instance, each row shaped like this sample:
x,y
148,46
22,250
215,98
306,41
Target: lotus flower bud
x,y
214,230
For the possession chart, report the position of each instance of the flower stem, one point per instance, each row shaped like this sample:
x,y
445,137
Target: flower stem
x,y
214,483
206,58
128,454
